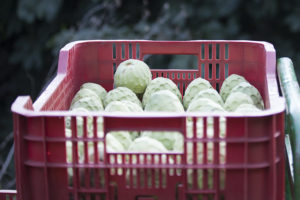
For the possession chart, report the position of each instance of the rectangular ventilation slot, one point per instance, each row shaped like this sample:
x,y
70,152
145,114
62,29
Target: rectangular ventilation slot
x,y
226,70
218,87
178,76
210,71
217,71
202,51
195,75
114,51
171,61
162,74
183,76
217,51
130,50
226,51
222,179
173,76
167,74
189,75
123,51
203,70
137,50
114,67
210,51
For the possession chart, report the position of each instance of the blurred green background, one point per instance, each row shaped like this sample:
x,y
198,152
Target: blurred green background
x,y
33,31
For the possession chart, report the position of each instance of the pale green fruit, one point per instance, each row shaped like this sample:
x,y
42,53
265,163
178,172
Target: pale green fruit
x,y
209,127
113,144
160,83
98,89
82,93
117,106
235,99
133,74
91,103
210,94
247,108
123,137
124,106
171,140
133,107
200,159
164,100
251,91
147,144
80,124
120,94
193,89
204,105
209,146
229,83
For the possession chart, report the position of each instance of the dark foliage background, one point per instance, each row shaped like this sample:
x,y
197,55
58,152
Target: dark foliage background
x,y
33,31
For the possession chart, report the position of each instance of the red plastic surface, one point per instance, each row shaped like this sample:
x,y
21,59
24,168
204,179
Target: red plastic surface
x,y
8,194
253,168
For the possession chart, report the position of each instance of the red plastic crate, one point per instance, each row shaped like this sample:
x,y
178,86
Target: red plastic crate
x,y
253,168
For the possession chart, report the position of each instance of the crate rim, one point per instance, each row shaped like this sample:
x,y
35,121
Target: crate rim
x,y
25,106
19,107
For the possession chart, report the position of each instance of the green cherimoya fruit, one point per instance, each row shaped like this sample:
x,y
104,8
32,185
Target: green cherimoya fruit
x,y
133,74
91,103
172,140
229,83
113,144
133,107
210,148
120,94
235,99
123,137
209,127
210,94
147,144
193,89
247,108
98,89
124,106
251,91
117,106
204,105
82,93
160,83
80,124
199,157
164,100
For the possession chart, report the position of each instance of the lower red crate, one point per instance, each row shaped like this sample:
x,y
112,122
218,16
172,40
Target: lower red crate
x,y
8,194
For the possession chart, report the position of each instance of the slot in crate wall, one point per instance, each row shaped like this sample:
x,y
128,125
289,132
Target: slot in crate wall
x,y
254,144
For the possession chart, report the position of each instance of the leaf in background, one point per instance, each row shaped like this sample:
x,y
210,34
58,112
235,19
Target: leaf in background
x,y
293,22
27,52
30,10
